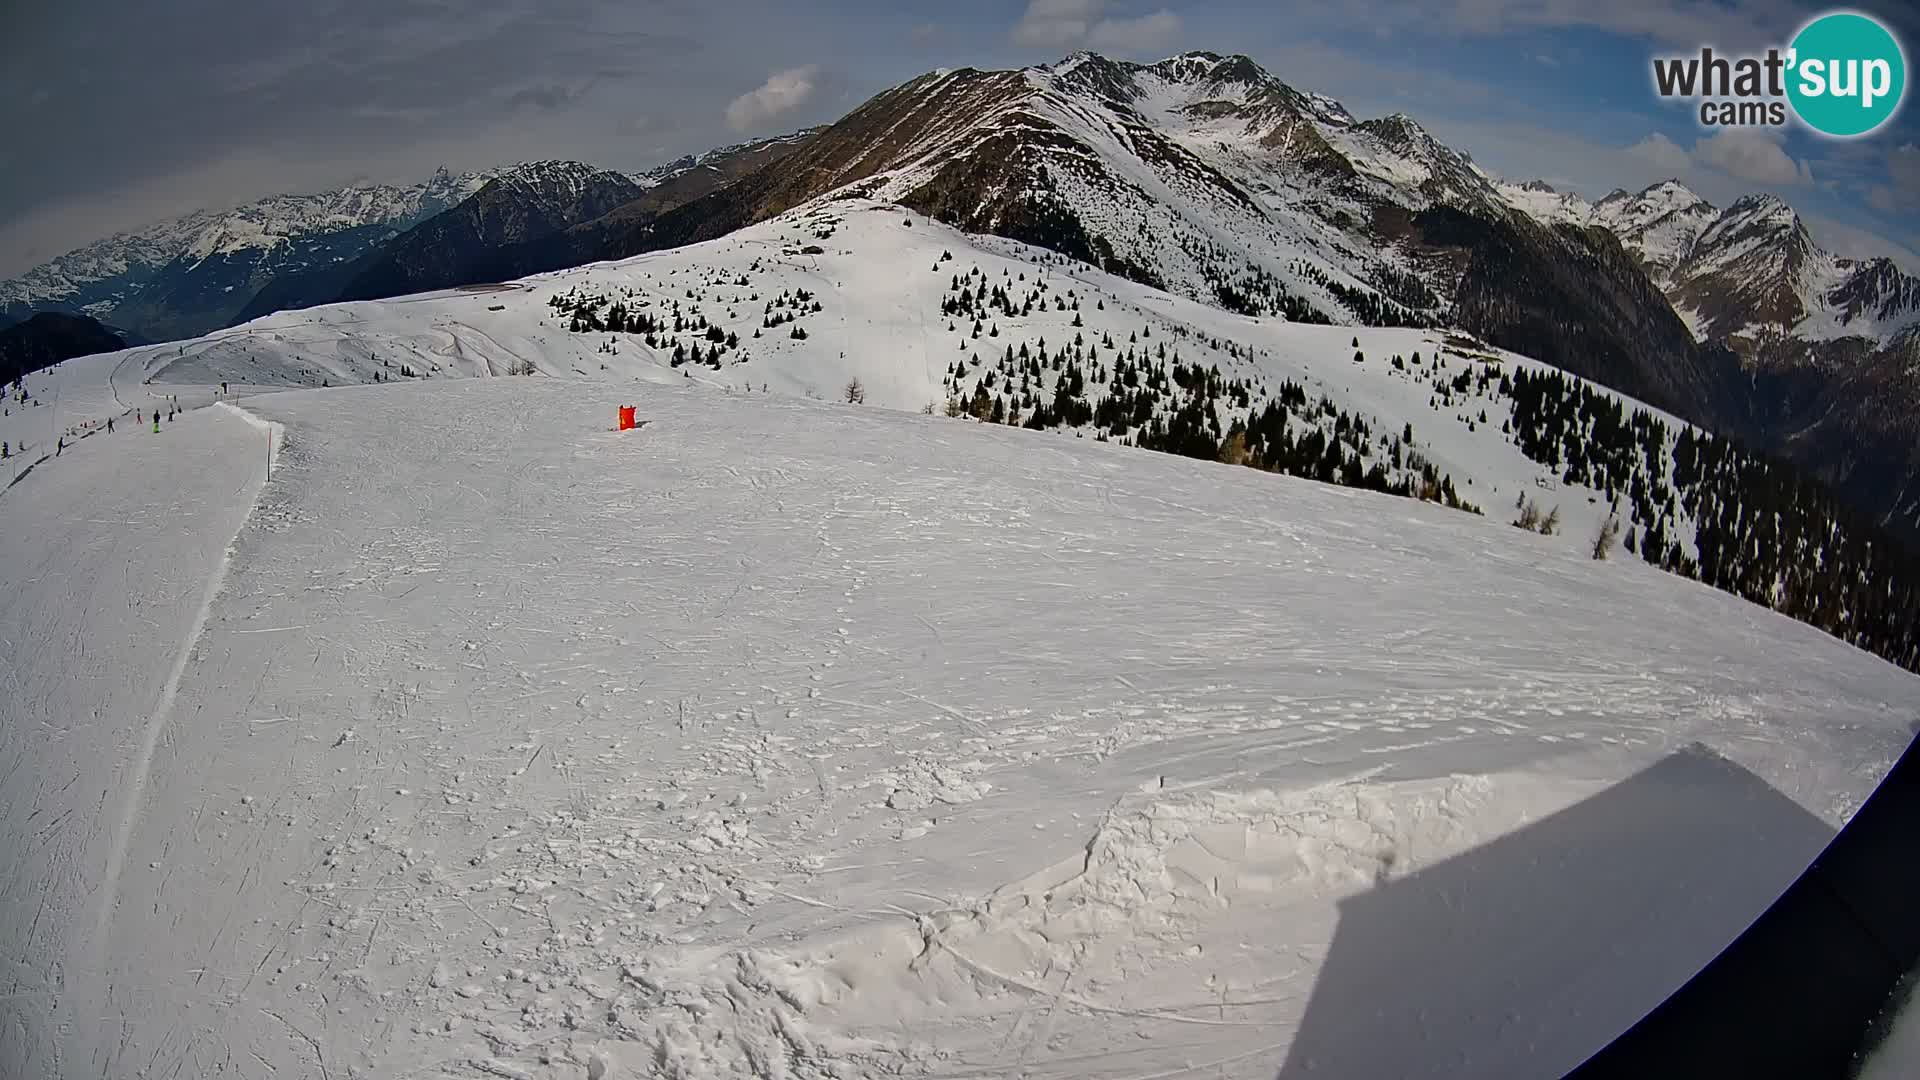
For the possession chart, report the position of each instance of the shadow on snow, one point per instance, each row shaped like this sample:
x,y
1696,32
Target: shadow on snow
x,y
1525,955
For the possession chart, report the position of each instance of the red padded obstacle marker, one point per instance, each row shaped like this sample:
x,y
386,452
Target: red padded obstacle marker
x,y
626,417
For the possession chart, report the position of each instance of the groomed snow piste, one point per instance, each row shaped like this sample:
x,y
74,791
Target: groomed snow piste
x,y
435,729
792,738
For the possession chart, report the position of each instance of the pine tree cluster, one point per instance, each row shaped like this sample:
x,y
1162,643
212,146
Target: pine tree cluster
x,y
1147,395
682,331
1736,520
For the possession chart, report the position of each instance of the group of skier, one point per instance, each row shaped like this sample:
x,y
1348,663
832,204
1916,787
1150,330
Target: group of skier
x,y
168,410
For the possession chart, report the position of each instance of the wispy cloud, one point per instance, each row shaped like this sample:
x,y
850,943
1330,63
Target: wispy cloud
x,y
1057,24
1069,24
1662,153
1143,34
783,92
1747,154
1755,155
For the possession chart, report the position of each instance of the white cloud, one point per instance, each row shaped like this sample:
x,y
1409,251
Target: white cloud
x,y
1753,155
783,92
1054,24
1662,153
1750,155
1067,24
1143,34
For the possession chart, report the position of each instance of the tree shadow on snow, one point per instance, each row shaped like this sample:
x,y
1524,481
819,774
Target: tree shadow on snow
x,y
1523,956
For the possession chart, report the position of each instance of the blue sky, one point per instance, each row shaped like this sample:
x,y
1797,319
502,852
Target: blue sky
x,y
127,112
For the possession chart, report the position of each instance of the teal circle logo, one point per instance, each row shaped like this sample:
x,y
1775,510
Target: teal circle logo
x,y
1847,74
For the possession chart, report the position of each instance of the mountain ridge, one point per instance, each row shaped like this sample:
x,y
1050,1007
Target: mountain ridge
x,y
193,273
1206,175
1826,347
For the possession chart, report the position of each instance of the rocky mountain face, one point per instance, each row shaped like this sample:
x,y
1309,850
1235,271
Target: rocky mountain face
x,y
1206,175
195,273
663,189
1827,348
48,338
463,246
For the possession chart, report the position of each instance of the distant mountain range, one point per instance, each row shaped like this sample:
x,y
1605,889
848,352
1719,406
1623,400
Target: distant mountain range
x,y
196,273
207,270
1202,174
1746,275
1828,346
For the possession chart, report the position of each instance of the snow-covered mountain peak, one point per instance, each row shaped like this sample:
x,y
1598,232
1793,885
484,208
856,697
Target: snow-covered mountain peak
x,y
1212,70
445,182
662,172
563,182
109,270
1659,223
1636,209
1759,210
1073,61
1670,193
1398,129
1748,272
1759,223
685,163
1094,76
1396,149
1199,83
1546,203
550,171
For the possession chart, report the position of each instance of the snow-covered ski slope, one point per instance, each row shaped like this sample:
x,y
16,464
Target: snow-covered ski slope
x,y
880,284
793,738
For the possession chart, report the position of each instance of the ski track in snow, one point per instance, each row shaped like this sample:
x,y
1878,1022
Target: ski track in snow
x,y
794,739
106,580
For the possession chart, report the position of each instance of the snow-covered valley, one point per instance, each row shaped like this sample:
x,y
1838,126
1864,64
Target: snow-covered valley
x,y
790,737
